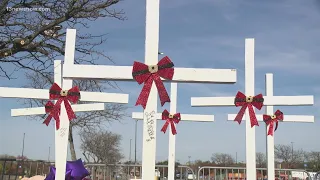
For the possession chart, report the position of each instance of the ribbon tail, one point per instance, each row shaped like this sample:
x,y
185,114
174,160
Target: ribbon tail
x,y
173,128
144,94
56,112
253,118
69,110
58,124
276,126
270,130
56,108
163,94
240,114
47,120
165,127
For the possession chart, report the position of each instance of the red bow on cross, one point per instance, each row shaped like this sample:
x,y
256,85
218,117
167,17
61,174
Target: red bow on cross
x,y
49,109
170,119
270,120
66,96
147,74
244,101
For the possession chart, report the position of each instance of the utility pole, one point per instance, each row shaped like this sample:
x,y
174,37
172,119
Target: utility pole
x,y
292,149
130,152
135,143
24,135
291,153
236,157
189,160
49,155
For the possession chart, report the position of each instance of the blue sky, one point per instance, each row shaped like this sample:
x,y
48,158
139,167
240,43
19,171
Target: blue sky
x,y
203,34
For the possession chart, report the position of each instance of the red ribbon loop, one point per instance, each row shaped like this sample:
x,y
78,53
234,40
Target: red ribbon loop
x,y
49,109
147,74
72,95
170,119
270,120
248,102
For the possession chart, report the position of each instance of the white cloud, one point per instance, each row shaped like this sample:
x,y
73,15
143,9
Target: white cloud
x,y
204,90
272,55
298,61
179,3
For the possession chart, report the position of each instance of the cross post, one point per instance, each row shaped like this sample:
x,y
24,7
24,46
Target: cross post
x,y
172,138
249,91
186,75
287,118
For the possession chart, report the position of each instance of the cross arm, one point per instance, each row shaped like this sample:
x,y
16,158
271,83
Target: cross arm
x,y
287,118
125,73
41,110
184,117
6,92
268,101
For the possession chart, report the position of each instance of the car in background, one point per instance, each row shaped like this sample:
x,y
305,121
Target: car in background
x,y
191,176
157,174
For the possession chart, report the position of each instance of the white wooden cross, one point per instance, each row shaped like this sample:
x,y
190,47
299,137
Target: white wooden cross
x,y
72,71
172,138
249,91
61,139
287,118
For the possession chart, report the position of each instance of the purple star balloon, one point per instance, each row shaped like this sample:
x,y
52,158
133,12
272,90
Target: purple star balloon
x,y
75,171
78,170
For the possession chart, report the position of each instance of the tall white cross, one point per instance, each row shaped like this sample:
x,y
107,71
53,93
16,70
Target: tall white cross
x,y
61,140
249,91
287,118
172,138
73,71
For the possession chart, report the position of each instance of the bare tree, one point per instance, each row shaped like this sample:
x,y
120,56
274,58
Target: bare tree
x,y
31,34
32,40
261,160
101,146
288,156
313,159
222,159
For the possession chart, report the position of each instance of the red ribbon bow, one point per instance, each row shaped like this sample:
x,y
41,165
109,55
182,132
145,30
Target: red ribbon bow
x,y
49,109
170,119
147,74
71,95
270,120
244,101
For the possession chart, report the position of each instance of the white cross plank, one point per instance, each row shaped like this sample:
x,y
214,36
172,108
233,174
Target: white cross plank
x,y
172,138
249,91
287,118
41,110
151,57
189,75
6,92
270,139
185,117
268,101
61,145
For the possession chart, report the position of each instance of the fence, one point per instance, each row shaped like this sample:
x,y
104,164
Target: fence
x,y
239,173
127,171
12,169
317,176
